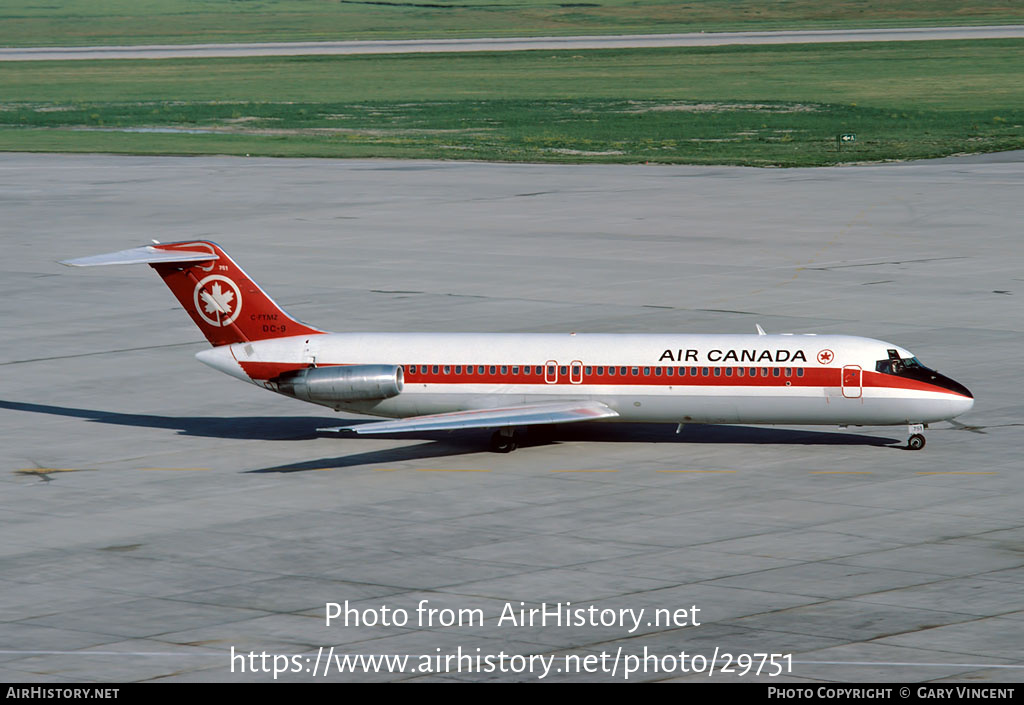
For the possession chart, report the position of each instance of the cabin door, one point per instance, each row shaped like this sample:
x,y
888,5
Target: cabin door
x,y
853,377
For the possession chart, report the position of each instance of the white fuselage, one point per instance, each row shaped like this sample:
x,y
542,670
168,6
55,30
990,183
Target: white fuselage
x,y
765,379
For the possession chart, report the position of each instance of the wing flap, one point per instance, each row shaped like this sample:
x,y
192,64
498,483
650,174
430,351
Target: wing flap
x,y
522,415
146,254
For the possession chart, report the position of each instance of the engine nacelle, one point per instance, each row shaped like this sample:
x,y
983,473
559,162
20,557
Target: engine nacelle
x,y
343,383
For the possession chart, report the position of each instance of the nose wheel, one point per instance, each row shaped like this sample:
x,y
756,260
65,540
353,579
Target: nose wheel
x,y
916,440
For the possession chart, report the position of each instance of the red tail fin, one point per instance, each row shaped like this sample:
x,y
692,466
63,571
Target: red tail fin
x,y
224,302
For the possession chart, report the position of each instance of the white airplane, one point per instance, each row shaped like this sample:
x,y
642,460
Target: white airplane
x,y
441,381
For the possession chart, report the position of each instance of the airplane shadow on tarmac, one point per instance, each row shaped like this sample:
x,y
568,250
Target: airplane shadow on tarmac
x,y
285,428
444,443
449,444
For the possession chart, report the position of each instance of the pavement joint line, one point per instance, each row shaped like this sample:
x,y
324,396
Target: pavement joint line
x,y
577,471
100,352
13,652
447,470
43,471
176,469
902,663
700,471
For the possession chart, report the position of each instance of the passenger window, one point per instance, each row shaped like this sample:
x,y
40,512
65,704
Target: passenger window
x,y
693,371
764,371
623,370
669,371
647,372
563,370
447,369
480,369
636,371
800,372
611,371
740,371
504,369
753,372
704,372
515,369
494,369
718,372
600,371
589,370
728,372
412,369
789,371
551,371
434,369
458,369
775,372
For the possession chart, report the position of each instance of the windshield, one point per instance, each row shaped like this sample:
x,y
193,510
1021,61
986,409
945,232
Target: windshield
x,y
899,366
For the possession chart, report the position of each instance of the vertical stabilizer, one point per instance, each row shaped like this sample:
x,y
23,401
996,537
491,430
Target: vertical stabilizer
x,y
224,302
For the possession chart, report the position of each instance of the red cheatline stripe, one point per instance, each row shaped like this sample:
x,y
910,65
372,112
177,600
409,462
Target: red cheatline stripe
x,y
812,377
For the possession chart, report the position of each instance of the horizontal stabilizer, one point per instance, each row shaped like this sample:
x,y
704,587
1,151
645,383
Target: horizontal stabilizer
x,y
522,415
141,255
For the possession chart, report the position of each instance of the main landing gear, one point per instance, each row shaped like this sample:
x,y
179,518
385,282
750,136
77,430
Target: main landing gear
x,y
916,440
503,441
506,440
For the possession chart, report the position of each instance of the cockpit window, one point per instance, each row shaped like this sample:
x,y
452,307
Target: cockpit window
x,y
898,366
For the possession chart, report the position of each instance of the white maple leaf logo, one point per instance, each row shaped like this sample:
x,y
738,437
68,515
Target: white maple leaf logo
x,y
217,300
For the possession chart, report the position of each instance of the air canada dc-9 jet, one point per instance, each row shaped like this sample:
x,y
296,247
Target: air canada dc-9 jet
x,y
445,381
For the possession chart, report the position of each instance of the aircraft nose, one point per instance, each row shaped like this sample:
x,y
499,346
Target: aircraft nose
x,y
953,386
962,406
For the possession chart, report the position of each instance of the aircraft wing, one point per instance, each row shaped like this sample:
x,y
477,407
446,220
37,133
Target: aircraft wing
x,y
550,412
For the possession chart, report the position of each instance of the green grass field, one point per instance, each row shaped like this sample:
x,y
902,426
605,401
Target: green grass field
x,y
87,22
771,105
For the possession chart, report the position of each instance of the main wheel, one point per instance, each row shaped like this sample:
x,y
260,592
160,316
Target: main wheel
x,y
916,442
500,443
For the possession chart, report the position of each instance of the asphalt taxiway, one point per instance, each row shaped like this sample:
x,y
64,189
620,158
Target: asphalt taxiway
x,y
156,514
432,46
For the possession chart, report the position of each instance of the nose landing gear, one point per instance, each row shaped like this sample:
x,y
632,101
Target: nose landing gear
x,y
916,440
